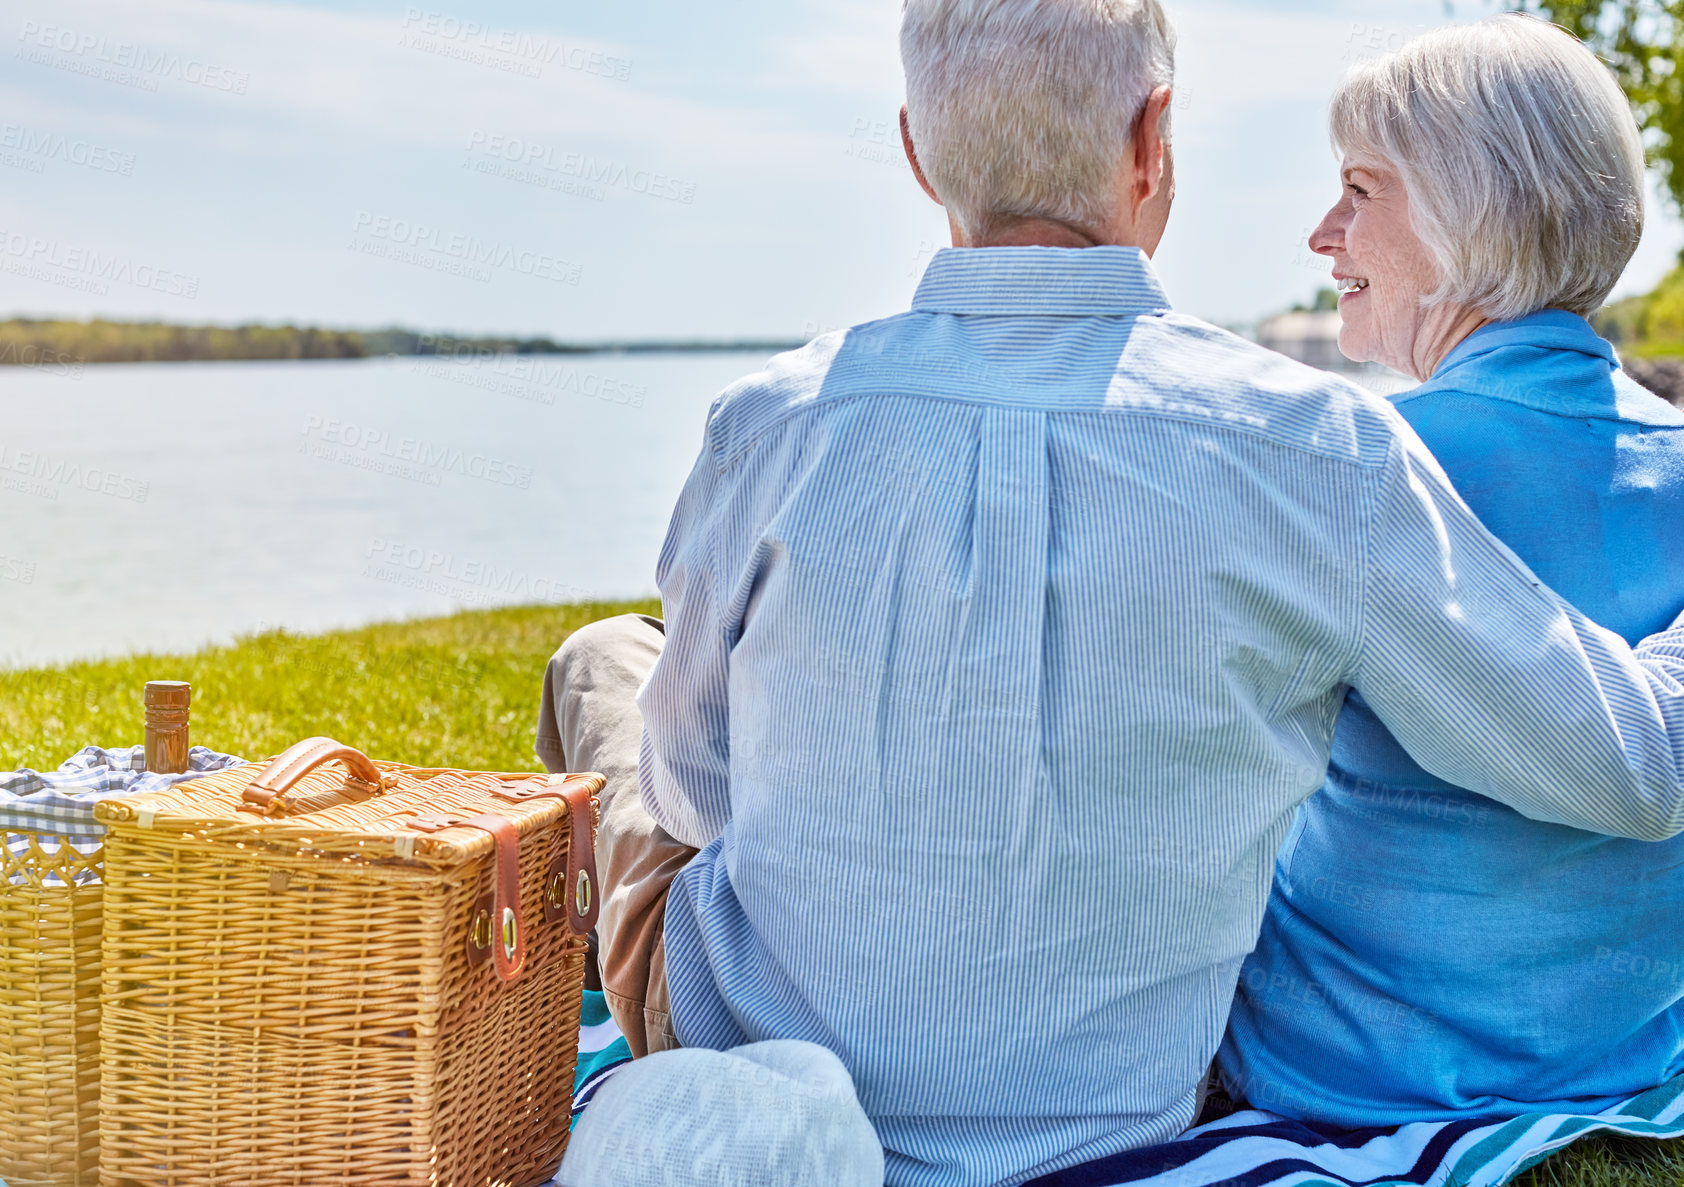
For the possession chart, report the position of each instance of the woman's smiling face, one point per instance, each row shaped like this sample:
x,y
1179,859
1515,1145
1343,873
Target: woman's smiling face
x,y
1383,271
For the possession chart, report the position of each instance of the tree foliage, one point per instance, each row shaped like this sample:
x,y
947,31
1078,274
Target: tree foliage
x,y
1651,324
1643,42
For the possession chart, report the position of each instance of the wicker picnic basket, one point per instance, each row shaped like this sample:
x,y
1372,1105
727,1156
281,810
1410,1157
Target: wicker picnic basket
x,y
49,1010
333,970
51,908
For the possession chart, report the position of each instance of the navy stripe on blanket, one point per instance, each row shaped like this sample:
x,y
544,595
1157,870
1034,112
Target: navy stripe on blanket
x,y
1136,1166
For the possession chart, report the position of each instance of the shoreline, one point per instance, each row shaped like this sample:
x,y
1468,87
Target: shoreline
x,y
56,344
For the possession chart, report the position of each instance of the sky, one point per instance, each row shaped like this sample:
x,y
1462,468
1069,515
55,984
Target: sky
x,y
642,169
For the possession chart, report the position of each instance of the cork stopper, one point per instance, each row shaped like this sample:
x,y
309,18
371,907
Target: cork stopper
x,y
167,703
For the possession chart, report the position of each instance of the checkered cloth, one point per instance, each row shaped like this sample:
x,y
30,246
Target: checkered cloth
x,y
61,803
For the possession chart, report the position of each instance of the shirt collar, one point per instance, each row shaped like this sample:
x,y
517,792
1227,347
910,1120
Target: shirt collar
x,y
1051,281
1550,361
1548,329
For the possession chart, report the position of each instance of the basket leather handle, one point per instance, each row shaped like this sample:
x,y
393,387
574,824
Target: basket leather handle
x,y
298,760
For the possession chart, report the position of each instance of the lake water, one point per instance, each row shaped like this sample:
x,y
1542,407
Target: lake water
x,y
165,506
161,507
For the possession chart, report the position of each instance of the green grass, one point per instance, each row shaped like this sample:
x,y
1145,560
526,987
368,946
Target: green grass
x,y
1610,1162
459,691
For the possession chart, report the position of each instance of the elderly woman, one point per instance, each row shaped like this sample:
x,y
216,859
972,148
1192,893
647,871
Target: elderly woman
x,y
1429,952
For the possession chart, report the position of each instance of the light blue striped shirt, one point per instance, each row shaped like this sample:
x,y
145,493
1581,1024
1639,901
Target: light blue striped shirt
x,y
1003,637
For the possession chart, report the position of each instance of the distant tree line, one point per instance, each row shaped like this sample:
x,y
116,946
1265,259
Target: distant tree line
x,y
33,342
26,341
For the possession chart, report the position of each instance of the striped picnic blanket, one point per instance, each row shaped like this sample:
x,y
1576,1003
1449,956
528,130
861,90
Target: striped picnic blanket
x,y
1257,1149
602,1049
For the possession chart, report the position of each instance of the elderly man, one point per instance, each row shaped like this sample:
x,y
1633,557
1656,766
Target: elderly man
x,y
1003,636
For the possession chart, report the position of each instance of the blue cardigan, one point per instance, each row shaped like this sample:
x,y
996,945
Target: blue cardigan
x,y
1428,951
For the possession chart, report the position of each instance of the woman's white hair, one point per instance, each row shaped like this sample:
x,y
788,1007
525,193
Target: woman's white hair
x,y
1027,108
1521,157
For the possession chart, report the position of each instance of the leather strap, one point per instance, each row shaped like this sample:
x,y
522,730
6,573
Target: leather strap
x,y
296,761
582,904
508,930
556,787
581,889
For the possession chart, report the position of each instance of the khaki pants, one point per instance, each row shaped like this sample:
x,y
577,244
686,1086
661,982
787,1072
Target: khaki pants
x,y
589,722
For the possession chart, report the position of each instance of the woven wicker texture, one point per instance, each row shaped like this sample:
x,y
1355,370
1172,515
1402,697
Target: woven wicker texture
x,y
292,1000
49,1013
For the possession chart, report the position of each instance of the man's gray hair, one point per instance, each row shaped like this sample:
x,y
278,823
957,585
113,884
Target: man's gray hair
x,y
1520,155
1026,108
